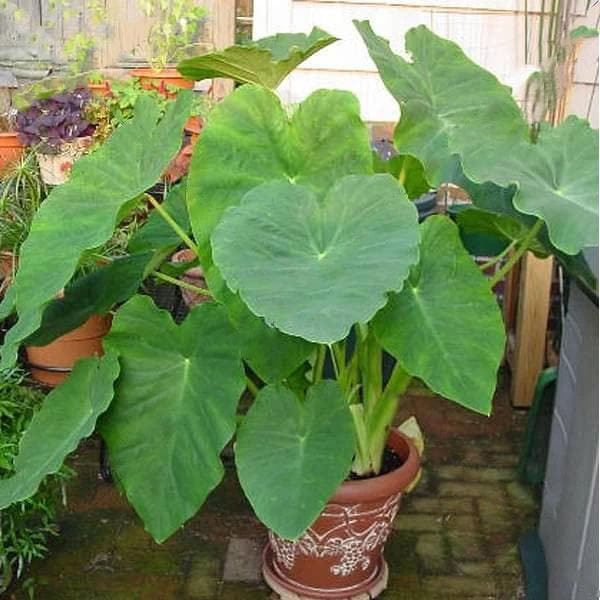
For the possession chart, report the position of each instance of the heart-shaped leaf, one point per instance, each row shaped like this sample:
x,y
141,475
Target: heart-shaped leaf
x,y
291,456
265,62
250,140
68,414
557,181
448,103
451,106
81,214
174,409
445,326
314,269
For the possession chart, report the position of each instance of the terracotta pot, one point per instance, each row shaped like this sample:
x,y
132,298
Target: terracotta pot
x,y
161,79
11,150
100,89
55,168
341,554
193,276
193,126
51,364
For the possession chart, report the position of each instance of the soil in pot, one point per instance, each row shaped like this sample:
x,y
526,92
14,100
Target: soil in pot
x,y
11,150
193,276
51,364
341,555
162,80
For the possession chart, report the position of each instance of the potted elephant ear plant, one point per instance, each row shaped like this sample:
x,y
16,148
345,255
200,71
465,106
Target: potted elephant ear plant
x,y
316,265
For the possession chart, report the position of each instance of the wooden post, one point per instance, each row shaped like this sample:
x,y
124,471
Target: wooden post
x,y
530,333
221,19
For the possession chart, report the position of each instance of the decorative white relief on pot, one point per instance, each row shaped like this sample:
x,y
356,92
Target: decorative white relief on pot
x,y
344,540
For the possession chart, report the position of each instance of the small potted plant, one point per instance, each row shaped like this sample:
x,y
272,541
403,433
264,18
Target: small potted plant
x,y
57,129
316,265
176,27
11,147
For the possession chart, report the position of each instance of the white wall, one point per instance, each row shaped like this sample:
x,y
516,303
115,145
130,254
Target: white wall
x,y
493,37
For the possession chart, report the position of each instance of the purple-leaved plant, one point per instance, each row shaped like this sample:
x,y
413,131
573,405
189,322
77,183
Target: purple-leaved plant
x,y
48,122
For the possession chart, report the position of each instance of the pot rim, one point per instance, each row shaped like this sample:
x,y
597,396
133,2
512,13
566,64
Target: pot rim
x,y
187,255
166,73
375,488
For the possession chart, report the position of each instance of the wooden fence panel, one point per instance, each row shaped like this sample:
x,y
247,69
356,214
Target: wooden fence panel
x,y
34,43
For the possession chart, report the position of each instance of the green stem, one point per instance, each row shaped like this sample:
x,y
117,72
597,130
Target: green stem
x,y
521,249
498,257
384,413
361,464
252,387
182,284
319,363
173,224
334,361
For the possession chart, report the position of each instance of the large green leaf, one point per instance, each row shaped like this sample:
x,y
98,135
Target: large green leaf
x,y
68,414
496,225
82,213
292,455
96,293
314,269
250,139
271,354
445,326
448,103
174,409
450,106
265,62
557,181
407,169
285,352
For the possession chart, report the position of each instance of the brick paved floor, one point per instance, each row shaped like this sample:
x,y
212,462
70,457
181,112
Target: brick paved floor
x,y
455,537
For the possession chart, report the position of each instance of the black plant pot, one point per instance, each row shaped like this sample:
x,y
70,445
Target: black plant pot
x,y
426,205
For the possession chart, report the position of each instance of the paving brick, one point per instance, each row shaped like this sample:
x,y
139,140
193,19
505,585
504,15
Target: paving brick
x,y
502,447
422,505
465,545
243,560
243,591
476,569
451,506
431,550
458,586
476,474
521,495
475,456
495,516
462,523
410,522
470,489
202,582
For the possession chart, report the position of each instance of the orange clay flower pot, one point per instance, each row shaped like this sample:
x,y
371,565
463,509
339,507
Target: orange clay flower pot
x,y
341,555
51,364
193,276
161,80
11,150
100,89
